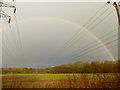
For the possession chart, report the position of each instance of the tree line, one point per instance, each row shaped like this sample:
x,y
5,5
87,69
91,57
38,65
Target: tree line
x,y
76,67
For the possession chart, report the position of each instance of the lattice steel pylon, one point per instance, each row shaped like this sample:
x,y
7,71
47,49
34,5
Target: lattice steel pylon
x,y
6,5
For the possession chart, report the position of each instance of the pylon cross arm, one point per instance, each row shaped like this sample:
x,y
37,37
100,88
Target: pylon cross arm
x,y
6,5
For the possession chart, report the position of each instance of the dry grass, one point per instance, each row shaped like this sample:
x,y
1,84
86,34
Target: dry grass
x,y
62,81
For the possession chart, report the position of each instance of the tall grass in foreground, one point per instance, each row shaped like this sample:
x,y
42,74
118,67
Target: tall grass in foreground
x,y
94,81
83,80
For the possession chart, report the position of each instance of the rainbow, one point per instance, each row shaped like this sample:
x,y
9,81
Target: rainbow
x,y
73,23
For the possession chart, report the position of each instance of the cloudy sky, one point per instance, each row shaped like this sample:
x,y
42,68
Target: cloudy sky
x,y
44,34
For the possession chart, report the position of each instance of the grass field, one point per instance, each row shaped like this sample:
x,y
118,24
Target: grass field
x,y
108,80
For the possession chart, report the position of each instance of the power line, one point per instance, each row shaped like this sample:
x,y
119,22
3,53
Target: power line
x,y
15,43
4,4
9,51
89,49
19,38
93,51
98,47
77,33
88,23
93,45
96,50
83,35
106,16
10,44
6,48
102,37
14,39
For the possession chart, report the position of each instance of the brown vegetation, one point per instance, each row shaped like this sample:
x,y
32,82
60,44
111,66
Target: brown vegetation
x,y
71,81
74,75
76,67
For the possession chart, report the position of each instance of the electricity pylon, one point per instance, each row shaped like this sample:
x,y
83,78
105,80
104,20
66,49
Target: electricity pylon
x,y
2,13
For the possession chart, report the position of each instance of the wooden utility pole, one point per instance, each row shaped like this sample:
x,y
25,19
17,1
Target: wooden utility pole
x,y
117,7
117,10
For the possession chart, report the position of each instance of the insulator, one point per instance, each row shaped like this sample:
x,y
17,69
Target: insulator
x,y
9,20
108,2
114,3
15,10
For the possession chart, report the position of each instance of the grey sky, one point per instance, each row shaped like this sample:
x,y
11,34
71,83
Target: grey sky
x,y
46,27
